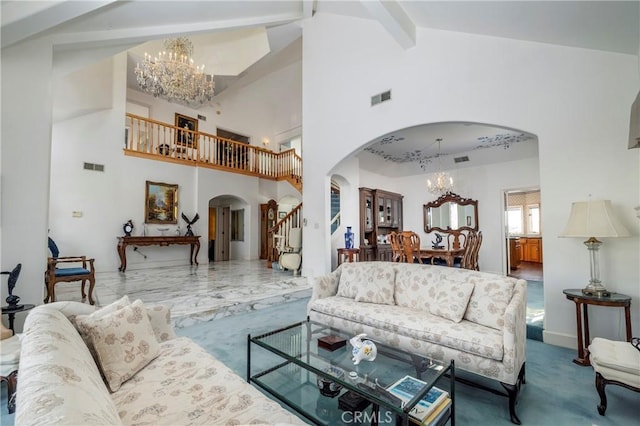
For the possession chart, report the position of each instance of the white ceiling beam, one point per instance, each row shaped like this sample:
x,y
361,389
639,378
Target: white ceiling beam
x,y
138,35
394,19
21,20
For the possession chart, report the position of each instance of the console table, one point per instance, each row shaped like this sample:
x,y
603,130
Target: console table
x,y
582,319
163,241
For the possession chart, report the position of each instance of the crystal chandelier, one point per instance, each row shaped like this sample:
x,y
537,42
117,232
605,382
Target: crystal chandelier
x,y
172,76
442,182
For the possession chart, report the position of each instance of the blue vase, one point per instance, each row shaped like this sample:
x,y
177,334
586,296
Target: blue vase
x,y
348,238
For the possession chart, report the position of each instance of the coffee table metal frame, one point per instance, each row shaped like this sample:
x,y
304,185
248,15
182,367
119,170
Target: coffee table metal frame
x,y
305,361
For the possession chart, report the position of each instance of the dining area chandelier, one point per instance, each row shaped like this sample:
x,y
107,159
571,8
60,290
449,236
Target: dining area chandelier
x,y
173,76
441,182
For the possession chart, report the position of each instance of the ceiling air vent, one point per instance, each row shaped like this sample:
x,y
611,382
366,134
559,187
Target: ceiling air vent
x,y
96,167
461,159
381,97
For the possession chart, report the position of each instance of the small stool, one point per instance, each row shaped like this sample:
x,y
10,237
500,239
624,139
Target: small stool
x,y
615,363
9,360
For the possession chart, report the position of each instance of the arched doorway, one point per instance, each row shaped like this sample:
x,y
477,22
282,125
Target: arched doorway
x,y
227,228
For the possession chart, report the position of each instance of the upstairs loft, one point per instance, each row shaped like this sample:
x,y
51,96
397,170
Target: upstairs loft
x,y
154,140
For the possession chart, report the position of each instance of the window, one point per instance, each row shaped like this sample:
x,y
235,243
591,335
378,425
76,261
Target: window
x,y
533,224
514,220
237,225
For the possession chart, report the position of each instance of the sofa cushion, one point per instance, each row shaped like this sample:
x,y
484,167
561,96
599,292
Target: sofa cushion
x,y
59,381
380,285
416,285
464,336
123,341
360,276
185,385
160,319
489,300
451,300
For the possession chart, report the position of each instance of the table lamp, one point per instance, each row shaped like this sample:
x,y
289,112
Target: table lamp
x,y
593,220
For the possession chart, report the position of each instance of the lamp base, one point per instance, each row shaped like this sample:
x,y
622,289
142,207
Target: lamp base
x,y
597,292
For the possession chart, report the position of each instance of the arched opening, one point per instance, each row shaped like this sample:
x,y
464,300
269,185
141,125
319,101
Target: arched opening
x,y
227,234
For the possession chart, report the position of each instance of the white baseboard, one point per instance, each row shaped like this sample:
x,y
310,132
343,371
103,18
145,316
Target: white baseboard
x,y
559,339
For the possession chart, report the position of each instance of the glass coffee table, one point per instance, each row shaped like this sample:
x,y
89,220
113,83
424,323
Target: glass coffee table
x,y
308,366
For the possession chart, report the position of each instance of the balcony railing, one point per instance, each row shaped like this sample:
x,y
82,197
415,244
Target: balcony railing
x,y
155,140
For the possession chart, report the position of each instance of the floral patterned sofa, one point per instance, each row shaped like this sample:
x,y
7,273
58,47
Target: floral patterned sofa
x,y
476,318
143,373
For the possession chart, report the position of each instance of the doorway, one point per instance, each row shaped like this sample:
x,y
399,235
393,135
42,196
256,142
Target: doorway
x,y
523,235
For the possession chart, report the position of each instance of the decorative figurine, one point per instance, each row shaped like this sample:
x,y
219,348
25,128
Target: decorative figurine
x,y
436,245
12,299
128,228
362,350
189,232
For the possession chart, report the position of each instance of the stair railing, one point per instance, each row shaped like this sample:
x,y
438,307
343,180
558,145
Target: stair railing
x,y
282,229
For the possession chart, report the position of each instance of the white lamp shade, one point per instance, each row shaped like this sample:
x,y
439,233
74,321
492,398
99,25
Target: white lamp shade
x,y
593,219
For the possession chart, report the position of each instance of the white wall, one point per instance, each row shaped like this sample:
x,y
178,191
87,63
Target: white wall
x,y
575,100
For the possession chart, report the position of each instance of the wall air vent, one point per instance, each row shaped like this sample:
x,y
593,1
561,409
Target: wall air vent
x,y
381,97
461,159
96,167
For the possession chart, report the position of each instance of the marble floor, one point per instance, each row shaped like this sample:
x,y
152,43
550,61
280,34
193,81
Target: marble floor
x,y
197,293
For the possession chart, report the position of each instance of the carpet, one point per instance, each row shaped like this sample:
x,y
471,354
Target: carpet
x,y
557,391
535,310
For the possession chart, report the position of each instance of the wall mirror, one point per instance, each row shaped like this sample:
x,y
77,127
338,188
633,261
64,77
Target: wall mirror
x,y
451,212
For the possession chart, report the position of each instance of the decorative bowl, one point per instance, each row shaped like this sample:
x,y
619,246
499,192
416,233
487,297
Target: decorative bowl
x,y
328,387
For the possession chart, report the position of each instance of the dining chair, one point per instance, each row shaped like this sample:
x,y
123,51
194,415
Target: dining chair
x,y
81,269
396,246
466,262
476,252
410,246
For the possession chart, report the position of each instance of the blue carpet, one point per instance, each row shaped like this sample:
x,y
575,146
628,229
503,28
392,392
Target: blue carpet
x,y
557,392
535,310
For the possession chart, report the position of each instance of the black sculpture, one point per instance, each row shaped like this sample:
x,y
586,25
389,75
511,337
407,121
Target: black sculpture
x,y
436,245
12,299
189,232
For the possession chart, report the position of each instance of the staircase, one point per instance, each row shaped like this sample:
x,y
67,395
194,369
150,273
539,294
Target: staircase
x,y
335,207
279,234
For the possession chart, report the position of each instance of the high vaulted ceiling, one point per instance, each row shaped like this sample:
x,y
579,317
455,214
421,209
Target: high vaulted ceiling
x,y
270,30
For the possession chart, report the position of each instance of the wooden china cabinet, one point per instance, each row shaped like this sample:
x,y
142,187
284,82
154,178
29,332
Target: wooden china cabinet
x,y
380,214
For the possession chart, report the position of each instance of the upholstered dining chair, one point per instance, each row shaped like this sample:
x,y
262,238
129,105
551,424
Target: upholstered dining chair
x,y
396,246
68,269
410,246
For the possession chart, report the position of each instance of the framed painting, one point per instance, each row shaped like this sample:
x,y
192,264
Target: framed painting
x,y
187,128
161,203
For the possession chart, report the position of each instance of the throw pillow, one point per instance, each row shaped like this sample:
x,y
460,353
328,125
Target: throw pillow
x,y
124,342
160,319
380,284
78,320
451,301
351,277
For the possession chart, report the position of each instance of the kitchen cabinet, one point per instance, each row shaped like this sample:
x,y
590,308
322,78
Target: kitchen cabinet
x,y
531,249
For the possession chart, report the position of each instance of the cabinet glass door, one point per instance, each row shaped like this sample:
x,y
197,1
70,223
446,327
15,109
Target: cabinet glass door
x,y
368,213
381,215
388,211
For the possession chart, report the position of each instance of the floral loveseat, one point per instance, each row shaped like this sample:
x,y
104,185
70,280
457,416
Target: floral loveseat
x,y
476,318
144,374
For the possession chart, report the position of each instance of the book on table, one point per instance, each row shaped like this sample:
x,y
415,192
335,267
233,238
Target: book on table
x,y
407,387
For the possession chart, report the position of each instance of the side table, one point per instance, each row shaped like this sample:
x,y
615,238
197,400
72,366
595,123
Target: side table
x,y
348,255
582,318
11,313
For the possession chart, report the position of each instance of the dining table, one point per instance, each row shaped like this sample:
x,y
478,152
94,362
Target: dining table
x,y
448,255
